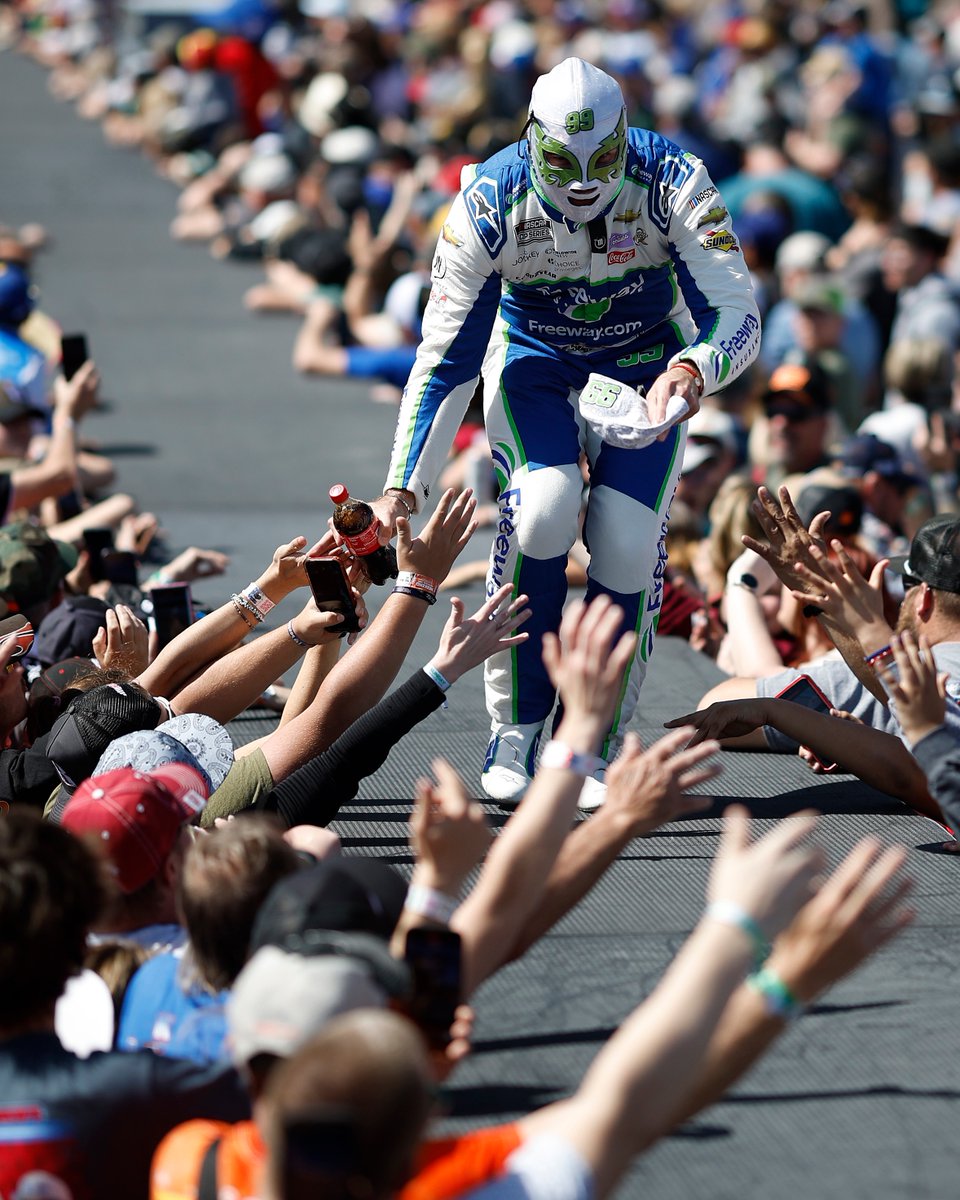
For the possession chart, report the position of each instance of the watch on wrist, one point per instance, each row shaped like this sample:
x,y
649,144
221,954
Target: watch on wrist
x,y
747,581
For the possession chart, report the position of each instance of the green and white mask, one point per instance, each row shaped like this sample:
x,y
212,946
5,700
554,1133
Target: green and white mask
x,y
578,139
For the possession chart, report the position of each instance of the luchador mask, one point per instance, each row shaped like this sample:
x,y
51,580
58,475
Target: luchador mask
x,y
578,139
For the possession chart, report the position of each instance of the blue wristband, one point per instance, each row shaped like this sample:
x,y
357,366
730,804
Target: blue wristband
x,y
777,997
729,913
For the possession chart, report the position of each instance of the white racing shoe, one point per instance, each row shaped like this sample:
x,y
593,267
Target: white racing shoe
x,y
508,767
594,790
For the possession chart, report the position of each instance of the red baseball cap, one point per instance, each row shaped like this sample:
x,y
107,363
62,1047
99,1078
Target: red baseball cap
x,y
137,816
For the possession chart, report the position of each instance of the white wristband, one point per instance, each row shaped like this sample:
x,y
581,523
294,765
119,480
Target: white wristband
x,y
421,583
428,902
260,600
560,756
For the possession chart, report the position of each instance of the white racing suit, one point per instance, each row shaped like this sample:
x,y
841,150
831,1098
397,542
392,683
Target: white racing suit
x,y
538,303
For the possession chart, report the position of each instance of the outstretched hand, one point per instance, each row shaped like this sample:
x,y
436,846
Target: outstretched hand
x,y
840,589
433,552
467,642
586,663
788,539
723,718
648,787
448,831
285,572
858,909
920,695
768,879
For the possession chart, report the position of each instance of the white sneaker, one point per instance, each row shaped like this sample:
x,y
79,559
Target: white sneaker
x,y
594,791
508,767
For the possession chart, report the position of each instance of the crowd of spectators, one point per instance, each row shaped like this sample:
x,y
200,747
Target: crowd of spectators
x,y
202,976
323,143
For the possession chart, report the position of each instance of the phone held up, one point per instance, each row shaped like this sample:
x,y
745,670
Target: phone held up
x,y
74,353
331,590
805,692
172,610
433,956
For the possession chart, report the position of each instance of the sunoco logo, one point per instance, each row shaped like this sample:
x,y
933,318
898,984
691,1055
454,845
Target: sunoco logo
x,y
720,239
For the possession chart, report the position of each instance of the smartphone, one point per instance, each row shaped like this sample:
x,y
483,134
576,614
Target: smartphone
x,y
331,590
120,566
74,353
172,610
804,691
433,956
97,542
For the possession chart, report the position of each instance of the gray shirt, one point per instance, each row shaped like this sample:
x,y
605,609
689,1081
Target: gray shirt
x,y
844,691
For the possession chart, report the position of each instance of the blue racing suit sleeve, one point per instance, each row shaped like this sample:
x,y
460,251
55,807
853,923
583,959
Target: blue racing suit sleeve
x,y
464,297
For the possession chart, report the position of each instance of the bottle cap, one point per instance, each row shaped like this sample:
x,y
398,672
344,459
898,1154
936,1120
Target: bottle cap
x,y
338,493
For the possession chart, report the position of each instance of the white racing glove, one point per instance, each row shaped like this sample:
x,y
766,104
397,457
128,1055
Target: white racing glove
x,y
618,414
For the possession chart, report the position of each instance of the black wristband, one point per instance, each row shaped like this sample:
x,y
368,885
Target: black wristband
x,y
427,597
812,610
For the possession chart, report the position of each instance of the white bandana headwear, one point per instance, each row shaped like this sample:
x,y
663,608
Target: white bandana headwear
x,y
578,139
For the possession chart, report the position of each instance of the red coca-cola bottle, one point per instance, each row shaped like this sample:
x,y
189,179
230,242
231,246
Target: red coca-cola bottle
x,y
359,527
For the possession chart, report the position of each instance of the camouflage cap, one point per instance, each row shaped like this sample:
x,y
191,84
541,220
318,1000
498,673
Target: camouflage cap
x,y
32,564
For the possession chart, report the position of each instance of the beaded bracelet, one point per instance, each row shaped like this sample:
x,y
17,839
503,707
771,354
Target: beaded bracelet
x,y
242,612
243,602
729,913
294,636
778,999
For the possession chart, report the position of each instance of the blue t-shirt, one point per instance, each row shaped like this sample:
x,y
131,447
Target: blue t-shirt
x,y
159,1014
24,366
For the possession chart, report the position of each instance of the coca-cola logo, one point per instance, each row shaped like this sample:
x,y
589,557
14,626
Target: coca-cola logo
x,y
620,256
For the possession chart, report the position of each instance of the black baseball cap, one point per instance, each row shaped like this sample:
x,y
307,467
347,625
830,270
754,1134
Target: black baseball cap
x,y
800,386
350,894
843,503
934,556
92,721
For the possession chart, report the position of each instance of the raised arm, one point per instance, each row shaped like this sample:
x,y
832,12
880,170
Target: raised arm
x,y
361,677
315,791
234,682
585,665
788,544
56,473
859,909
222,630
652,1065
645,789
